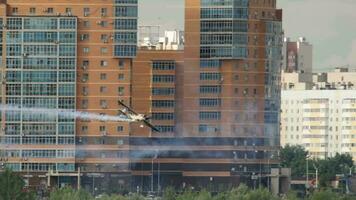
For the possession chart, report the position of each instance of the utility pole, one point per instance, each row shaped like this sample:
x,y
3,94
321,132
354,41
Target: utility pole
x,y
316,176
307,175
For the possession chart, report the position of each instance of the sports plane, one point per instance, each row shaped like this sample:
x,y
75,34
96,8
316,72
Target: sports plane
x,y
135,117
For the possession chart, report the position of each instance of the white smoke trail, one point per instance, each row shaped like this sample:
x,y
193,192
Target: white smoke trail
x,y
66,113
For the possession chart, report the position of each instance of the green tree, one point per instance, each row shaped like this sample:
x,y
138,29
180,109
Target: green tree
x,y
12,187
135,197
292,195
294,157
328,168
169,194
112,197
187,195
238,193
324,195
204,195
260,194
67,193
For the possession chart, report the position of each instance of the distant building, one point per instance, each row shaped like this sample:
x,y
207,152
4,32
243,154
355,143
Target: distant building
x,y
339,78
320,115
149,39
172,40
297,56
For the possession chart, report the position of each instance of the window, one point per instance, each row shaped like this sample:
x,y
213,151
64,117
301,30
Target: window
x,y
85,90
69,10
104,37
163,91
209,102
103,63
209,115
163,116
204,128
84,37
86,24
85,103
85,63
125,50
121,63
121,77
50,10
86,49
86,11
15,10
103,50
32,10
163,65
210,63
210,89
102,76
121,90
104,23
103,104
163,78
104,12
102,128
84,128
103,89
166,129
163,103
120,128
210,76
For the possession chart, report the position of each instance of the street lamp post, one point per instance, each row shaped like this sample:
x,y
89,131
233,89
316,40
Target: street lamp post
x,y
316,176
152,170
307,173
152,175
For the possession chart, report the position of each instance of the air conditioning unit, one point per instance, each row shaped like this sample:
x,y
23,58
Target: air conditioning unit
x,y
58,14
85,93
99,22
104,133
69,14
25,54
84,80
84,67
105,41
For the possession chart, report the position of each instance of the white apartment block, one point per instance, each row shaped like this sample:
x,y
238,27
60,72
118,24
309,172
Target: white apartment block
x,y
322,121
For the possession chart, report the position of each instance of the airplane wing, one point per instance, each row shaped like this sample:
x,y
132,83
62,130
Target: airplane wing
x,y
128,108
151,126
123,113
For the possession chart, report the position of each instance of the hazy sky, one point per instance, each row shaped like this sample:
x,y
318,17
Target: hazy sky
x,y
330,25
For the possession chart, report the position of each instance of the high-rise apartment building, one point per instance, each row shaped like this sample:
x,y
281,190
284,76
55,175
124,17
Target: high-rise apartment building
x,y
66,55
320,116
322,121
216,102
